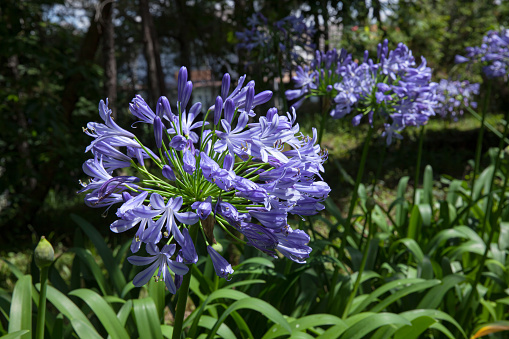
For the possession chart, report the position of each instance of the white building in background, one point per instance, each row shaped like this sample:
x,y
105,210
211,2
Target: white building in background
x,y
205,87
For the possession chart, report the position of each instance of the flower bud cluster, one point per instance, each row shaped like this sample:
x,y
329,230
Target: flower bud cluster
x,y
242,172
394,88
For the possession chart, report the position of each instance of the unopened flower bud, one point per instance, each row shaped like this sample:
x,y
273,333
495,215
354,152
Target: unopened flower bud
x,y
44,254
370,204
218,247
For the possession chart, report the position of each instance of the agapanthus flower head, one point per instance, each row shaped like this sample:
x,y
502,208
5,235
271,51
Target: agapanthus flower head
x,y
241,171
454,96
393,89
286,38
492,54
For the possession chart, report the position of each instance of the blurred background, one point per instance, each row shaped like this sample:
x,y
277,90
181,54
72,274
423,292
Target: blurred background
x,y
59,58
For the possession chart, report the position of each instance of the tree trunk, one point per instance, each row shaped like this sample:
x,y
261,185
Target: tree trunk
x,y
109,60
29,207
183,36
152,54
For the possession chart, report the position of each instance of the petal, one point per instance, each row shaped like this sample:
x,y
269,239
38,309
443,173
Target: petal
x,y
144,276
178,267
177,203
188,218
157,201
168,281
140,261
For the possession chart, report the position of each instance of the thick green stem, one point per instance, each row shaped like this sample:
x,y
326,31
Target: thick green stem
x,y
478,149
183,291
379,169
360,174
486,219
418,165
41,309
355,193
361,269
477,155
325,109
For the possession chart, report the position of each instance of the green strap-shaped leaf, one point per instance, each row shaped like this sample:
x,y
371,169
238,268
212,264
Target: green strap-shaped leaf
x,y
258,305
435,314
157,291
402,207
415,223
167,331
304,323
223,330
65,306
435,296
147,319
452,195
419,325
83,330
124,312
16,271
89,260
16,335
219,294
245,282
373,296
427,186
20,316
412,246
58,327
426,213
403,292
443,329
361,328
103,311
256,261
442,237
104,251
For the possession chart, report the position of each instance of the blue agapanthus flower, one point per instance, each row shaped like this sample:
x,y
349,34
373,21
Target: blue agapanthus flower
x,y
239,172
286,38
454,96
394,89
493,54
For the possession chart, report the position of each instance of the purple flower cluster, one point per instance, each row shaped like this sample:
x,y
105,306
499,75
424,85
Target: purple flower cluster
x,y
453,96
287,37
232,173
493,54
394,88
